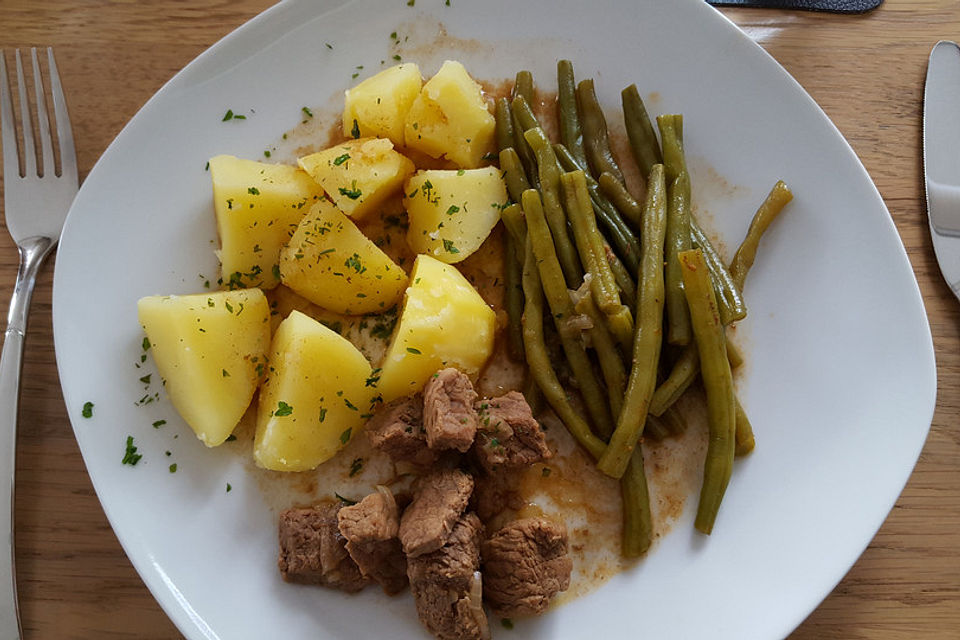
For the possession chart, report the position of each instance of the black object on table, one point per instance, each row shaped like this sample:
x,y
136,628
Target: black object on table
x,y
832,6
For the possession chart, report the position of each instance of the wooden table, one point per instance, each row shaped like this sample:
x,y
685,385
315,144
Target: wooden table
x,y
865,71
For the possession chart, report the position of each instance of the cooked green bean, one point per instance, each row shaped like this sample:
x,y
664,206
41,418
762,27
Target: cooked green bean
x,y
648,331
718,383
626,283
671,138
525,115
637,518
671,423
596,142
655,429
643,139
617,231
570,132
523,86
562,311
733,354
622,199
513,173
519,143
778,197
516,225
538,358
549,172
678,239
684,371
512,287
504,120
729,300
744,432
611,365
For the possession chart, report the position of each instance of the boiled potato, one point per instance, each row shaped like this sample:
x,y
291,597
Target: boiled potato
x,y
451,213
444,323
258,208
450,118
317,396
360,174
378,106
331,263
211,351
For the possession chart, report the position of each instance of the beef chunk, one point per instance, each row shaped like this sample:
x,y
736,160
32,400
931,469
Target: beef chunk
x,y
438,500
444,584
508,435
492,493
370,528
397,430
524,565
448,415
312,551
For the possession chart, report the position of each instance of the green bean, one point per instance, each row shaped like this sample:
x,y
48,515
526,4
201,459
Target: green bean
x,y
513,173
729,300
549,172
655,429
643,139
504,120
778,197
538,358
525,115
678,239
523,86
671,137
596,142
637,518
622,199
625,282
648,331
744,432
611,365
561,308
519,143
684,371
733,354
617,231
570,132
674,422
513,288
516,225
718,383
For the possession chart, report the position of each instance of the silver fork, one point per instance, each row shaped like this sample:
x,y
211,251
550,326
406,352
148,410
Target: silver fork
x,y
36,201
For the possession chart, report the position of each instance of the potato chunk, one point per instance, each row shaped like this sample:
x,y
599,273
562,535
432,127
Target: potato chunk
x,y
360,174
379,104
210,350
317,396
444,323
450,118
258,208
331,263
451,213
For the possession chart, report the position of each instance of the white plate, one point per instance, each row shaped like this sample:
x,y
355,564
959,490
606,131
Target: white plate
x,y
841,381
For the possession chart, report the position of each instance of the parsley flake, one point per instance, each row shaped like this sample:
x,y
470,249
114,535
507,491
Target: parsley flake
x,y
87,411
307,112
130,456
283,409
448,246
356,466
353,193
414,351
355,131
159,423
173,468
345,436
339,160
253,191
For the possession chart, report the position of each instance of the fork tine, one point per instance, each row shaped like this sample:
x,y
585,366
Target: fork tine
x,y
11,160
29,149
68,154
43,122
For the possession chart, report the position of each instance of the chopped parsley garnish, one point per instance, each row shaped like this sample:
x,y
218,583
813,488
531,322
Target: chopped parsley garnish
x,y
356,466
266,153
350,405
353,193
339,160
355,131
354,263
374,378
329,46
345,436
507,623
307,112
87,411
130,456
396,57
413,351
393,35
146,343
283,409
448,246
228,115
173,468
276,271
253,191
146,379
323,414
159,423
229,488
546,472
410,2
226,374
452,210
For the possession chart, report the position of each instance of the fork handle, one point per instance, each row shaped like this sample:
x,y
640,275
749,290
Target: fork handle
x,y
33,252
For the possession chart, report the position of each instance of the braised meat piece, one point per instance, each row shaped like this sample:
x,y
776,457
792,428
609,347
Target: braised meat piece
x,y
524,565
438,500
508,435
447,587
370,528
448,415
312,551
397,429
492,493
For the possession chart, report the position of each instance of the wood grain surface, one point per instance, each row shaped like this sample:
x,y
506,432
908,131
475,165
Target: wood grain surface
x,y
865,71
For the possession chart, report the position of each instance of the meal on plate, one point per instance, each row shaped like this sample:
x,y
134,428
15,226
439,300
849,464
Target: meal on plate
x,y
371,292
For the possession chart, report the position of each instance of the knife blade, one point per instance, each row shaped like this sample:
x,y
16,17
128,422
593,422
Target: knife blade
x,y
941,157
